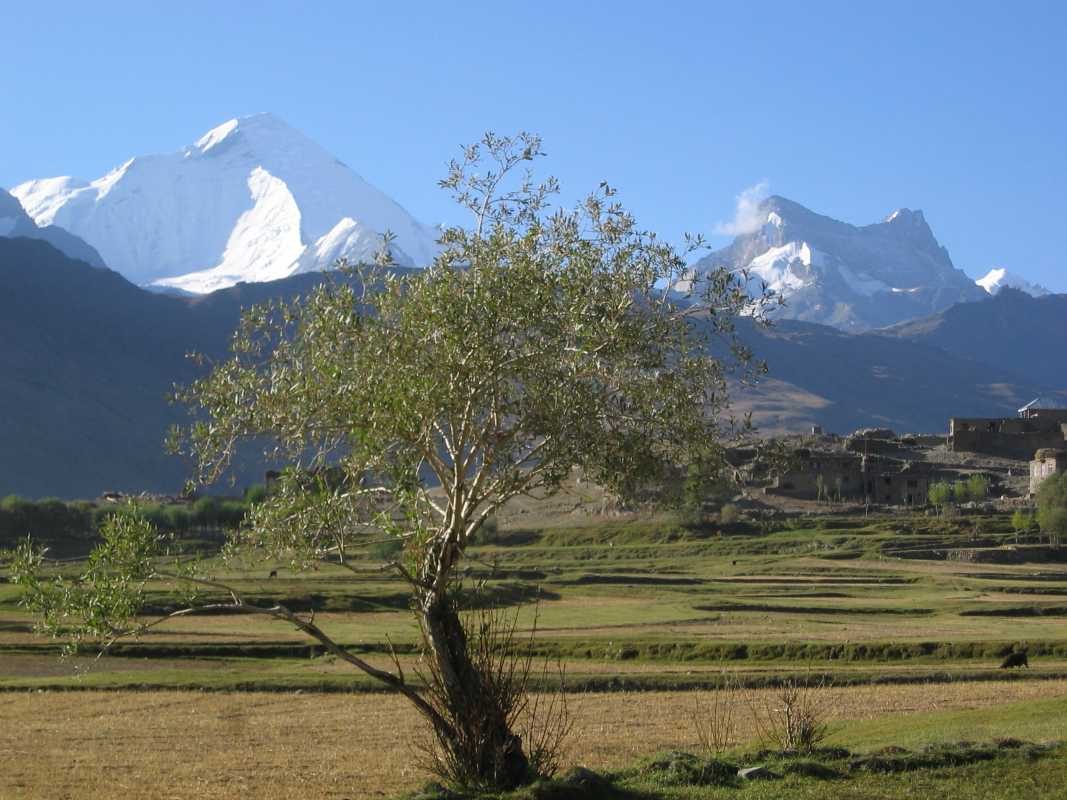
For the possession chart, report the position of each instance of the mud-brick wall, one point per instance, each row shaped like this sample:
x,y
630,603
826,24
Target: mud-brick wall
x,y
1006,445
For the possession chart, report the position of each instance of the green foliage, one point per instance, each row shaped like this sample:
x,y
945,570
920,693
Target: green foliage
x,y
488,533
410,405
47,519
978,488
974,489
1052,506
940,494
386,549
104,599
1022,520
729,514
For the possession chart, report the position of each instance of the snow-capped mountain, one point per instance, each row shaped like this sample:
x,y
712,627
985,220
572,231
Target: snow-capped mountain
x,y
852,277
999,278
14,221
252,200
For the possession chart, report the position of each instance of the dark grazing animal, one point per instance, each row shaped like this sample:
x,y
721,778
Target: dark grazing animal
x,y
1015,660
273,573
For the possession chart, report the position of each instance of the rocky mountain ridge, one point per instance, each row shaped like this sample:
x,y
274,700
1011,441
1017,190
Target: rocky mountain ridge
x,y
855,278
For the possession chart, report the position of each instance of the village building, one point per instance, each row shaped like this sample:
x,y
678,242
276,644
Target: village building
x,y
814,475
1046,463
1039,425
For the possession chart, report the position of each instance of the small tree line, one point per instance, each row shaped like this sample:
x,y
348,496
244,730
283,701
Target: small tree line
x,y
974,489
55,519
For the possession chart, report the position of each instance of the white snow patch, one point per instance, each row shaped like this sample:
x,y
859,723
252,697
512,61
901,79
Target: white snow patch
x,y
786,269
998,277
215,136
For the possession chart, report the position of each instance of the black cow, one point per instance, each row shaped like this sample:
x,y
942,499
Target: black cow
x,y
273,573
1015,660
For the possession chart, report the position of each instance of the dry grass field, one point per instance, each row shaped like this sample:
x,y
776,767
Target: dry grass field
x,y
127,745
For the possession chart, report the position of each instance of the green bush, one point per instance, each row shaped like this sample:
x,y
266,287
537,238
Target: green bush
x,y
940,494
1052,507
729,514
1022,520
386,550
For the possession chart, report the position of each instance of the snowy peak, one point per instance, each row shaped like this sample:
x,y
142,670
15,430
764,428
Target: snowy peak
x,y
853,277
253,199
905,216
256,134
999,278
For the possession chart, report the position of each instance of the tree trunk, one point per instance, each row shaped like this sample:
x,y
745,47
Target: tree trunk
x,y
469,696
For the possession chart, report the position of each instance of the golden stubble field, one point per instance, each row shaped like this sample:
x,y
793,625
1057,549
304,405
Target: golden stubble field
x,y
148,745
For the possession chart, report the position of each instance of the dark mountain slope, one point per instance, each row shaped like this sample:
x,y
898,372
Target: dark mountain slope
x,y
1024,335
87,359
844,381
14,221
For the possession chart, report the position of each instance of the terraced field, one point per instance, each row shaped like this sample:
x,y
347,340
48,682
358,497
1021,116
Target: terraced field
x,y
640,605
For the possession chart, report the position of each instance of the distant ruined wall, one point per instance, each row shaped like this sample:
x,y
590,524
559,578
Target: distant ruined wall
x,y
1006,437
1020,446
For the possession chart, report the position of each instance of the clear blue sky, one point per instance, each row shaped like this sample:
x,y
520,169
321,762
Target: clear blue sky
x,y
853,109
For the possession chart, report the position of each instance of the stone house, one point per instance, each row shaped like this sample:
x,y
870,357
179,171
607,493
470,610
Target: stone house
x,y
1046,463
1009,437
850,476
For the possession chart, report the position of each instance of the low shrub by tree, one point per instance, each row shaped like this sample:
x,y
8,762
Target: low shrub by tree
x,y
410,405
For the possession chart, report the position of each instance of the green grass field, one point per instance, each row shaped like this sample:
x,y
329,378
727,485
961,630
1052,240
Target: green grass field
x,y
649,604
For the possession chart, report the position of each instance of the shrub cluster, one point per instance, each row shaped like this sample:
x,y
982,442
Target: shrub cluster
x,y
51,519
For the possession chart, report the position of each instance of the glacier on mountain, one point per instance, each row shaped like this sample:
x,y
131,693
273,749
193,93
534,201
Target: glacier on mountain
x,y
998,278
252,200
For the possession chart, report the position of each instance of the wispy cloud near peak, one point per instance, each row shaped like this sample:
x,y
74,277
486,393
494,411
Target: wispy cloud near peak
x,y
746,214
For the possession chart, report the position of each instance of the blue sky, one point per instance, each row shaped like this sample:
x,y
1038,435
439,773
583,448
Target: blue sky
x,y
853,109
